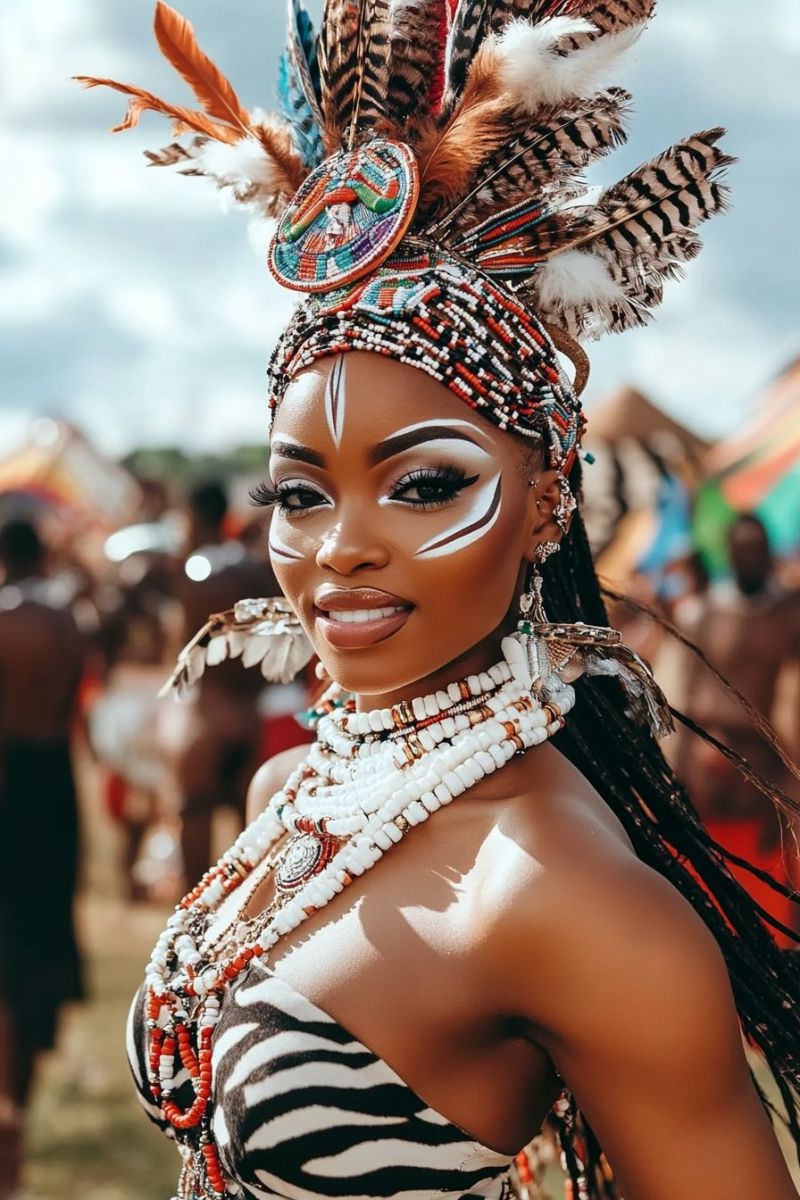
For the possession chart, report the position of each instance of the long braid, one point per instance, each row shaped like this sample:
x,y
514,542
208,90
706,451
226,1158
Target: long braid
x,y
667,834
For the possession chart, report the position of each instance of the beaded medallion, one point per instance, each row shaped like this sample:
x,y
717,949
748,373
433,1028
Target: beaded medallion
x,y
346,218
305,856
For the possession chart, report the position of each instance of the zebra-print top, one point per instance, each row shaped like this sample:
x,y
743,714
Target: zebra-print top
x,y
302,1110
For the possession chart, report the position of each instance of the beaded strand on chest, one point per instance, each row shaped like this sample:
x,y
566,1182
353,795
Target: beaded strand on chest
x,y
369,778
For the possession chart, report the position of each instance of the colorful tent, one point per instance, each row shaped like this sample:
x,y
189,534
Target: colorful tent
x,y
59,469
756,471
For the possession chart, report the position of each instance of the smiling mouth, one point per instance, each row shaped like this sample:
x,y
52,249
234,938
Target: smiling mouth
x,y
353,629
360,615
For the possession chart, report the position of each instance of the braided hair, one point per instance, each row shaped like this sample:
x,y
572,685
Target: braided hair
x,y
668,835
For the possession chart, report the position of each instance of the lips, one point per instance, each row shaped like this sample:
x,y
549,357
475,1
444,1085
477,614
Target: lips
x,y
352,618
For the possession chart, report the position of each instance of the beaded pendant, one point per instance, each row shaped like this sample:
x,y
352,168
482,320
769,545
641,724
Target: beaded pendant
x,y
305,856
346,219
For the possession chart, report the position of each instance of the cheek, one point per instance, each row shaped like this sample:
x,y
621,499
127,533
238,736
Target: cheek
x,y
472,567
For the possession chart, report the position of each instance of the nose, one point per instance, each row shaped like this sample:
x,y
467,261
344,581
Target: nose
x,y
351,545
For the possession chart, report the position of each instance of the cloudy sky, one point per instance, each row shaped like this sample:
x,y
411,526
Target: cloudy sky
x,y
131,304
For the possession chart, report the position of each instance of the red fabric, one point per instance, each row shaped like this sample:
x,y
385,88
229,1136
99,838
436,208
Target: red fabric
x,y
281,733
742,837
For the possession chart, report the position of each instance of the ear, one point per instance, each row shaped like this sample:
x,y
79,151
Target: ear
x,y
544,494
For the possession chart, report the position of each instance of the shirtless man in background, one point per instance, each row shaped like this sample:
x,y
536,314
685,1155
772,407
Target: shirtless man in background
x,y
749,627
41,660
221,740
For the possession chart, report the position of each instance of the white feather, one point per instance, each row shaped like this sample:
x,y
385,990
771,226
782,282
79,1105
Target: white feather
x,y
576,277
534,73
244,166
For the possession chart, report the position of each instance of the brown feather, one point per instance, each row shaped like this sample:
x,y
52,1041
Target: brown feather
x,y
276,138
450,156
141,101
176,39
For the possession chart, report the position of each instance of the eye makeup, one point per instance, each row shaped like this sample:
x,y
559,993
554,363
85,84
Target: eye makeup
x,y
480,516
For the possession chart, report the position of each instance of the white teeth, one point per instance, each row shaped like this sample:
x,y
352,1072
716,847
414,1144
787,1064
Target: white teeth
x,y
361,614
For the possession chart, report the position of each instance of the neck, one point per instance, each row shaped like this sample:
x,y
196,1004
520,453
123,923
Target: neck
x,y
476,659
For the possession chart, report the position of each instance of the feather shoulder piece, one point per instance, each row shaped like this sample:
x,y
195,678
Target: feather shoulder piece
x,y
262,633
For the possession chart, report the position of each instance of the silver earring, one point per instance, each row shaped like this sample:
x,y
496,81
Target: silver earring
x,y
263,633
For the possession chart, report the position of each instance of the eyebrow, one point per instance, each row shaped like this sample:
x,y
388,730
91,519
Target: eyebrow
x,y
384,450
298,453
416,437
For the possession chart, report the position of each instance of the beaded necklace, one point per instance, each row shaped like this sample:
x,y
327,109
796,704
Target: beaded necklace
x,y
368,779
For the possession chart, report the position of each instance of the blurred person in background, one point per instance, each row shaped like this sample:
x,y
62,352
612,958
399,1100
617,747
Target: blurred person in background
x,y
41,659
747,626
220,731
130,652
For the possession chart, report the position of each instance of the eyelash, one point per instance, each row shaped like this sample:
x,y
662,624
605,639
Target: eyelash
x,y
448,479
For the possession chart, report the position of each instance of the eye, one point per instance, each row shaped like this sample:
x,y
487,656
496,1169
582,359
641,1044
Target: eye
x,y
289,496
431,487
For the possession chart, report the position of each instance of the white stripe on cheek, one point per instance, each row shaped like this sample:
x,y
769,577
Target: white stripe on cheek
x,y
279,550
481,516
335,400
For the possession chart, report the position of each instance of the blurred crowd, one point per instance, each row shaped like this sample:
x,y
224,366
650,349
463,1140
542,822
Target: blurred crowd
x,y
86,641
93,613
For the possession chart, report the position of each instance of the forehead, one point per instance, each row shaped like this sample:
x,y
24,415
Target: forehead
x,y
380,396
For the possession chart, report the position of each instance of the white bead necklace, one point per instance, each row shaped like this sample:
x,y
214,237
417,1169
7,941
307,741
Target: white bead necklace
x,y
368,779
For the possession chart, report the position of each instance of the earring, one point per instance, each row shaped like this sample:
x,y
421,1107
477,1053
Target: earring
x,y
263,633
546,657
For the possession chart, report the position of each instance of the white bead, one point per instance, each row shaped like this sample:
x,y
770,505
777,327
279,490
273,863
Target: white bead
x,y
443,795
382,839
416,813
418,708
474,685
426,740
375,720
431,706
453,784
454,692
443,700
485,761
430,801
392,832
497,755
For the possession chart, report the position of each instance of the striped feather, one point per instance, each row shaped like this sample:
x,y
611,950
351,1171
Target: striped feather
x,y
664,198
416,79
545,157
372,71
642,230
470,25
338,63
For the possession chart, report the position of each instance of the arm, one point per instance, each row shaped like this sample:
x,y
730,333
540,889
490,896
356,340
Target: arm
x,y
639,1021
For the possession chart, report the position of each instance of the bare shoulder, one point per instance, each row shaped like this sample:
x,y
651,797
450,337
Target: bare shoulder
x,y
596,919
270,778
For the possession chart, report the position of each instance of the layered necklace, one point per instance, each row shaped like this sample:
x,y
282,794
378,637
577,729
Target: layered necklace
x,y
368,779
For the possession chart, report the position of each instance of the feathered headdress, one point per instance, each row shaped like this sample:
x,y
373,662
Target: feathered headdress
x,y
427,171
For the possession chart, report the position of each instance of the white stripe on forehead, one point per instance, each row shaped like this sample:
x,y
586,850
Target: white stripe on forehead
x,y
335,400
480,517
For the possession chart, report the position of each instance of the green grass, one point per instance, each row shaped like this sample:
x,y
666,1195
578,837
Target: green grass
x,y
88,1138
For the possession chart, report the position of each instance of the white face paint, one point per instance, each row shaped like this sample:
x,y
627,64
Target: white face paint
x,y
279,550
481,515
335,400
485,500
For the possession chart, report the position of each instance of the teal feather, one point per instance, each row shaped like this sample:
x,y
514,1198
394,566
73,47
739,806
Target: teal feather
x,y
298,86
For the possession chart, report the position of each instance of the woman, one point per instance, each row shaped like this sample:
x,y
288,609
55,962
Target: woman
x,y
565,939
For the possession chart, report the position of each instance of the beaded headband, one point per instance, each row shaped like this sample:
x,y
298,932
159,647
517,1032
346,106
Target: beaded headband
x,y
426,170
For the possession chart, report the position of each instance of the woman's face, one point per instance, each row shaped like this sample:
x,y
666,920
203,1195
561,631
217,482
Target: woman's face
x,y
401,524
